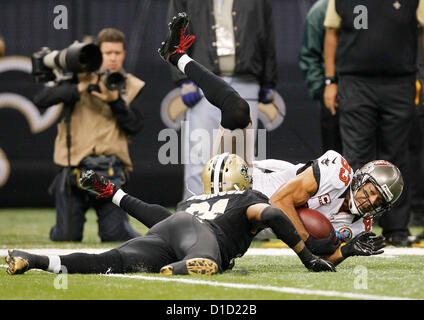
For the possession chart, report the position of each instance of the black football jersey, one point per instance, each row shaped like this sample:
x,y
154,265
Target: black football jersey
x,y
225,212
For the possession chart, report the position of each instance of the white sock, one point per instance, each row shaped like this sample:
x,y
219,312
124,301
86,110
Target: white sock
x,y
117,197
182,62
54,264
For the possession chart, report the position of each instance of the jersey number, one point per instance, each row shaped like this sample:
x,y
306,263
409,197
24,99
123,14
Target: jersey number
x,y
345,172
204,210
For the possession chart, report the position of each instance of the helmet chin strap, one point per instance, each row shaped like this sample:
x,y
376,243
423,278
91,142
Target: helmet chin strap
x,y
352,204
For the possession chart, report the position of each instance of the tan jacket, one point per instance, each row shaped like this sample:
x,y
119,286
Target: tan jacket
x,y
94,130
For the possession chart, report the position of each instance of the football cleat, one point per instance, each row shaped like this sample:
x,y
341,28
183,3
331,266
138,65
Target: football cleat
x,y
18,261
192,266
176,42
100,185
320,265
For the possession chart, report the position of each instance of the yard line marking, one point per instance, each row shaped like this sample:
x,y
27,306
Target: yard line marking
x,y
260,287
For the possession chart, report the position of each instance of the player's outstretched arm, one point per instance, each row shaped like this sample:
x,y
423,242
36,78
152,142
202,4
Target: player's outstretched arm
x,y
263,215
295,193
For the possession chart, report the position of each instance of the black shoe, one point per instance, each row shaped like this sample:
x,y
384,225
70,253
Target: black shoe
x,y
176,42
320,265
420,236
18,261
100,185
192,266
398,240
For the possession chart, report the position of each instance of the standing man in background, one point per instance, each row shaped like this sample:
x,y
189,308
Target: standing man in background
x,y
371,66
101,122
236,42
311,62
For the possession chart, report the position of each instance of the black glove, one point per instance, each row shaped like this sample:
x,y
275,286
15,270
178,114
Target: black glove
x,y
364,245
319,265
323,247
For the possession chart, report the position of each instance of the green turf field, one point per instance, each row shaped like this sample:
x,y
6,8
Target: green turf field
x,y
396,274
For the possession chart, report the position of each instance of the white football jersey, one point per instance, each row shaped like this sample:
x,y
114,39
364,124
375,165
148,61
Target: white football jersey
x,y
333,175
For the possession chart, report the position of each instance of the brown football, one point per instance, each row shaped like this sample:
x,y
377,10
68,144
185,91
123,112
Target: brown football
x,y
318,226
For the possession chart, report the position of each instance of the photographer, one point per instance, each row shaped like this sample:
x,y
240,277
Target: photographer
x,y
94,135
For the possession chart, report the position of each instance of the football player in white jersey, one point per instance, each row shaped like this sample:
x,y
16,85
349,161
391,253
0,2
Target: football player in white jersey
x,y
327,184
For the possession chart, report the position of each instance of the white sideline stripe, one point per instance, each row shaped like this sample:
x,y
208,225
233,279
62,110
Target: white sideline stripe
x,y
388,252
266,288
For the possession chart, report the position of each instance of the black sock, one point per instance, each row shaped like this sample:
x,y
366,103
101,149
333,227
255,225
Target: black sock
x,y
175,57
38,262
109,261
147,214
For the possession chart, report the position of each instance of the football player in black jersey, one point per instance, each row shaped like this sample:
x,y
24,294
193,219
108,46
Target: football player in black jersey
x,y
203,237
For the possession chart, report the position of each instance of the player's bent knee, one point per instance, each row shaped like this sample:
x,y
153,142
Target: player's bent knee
x,y
235,113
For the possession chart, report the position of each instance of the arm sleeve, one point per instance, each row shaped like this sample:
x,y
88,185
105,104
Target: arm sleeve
x,y
332,18
64,93
129,119
280,225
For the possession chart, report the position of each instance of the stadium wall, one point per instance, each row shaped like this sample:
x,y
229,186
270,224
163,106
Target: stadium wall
x,y
27,139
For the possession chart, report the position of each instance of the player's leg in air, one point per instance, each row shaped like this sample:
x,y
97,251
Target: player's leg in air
x,y
235,134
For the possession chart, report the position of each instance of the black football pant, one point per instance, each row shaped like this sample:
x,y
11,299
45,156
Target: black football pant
x,y
235,111
375,120
330,130
72,204
177,238
416,166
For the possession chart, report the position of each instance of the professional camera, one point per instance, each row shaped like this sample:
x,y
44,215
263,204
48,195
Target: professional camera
x,y
48,65
112,80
